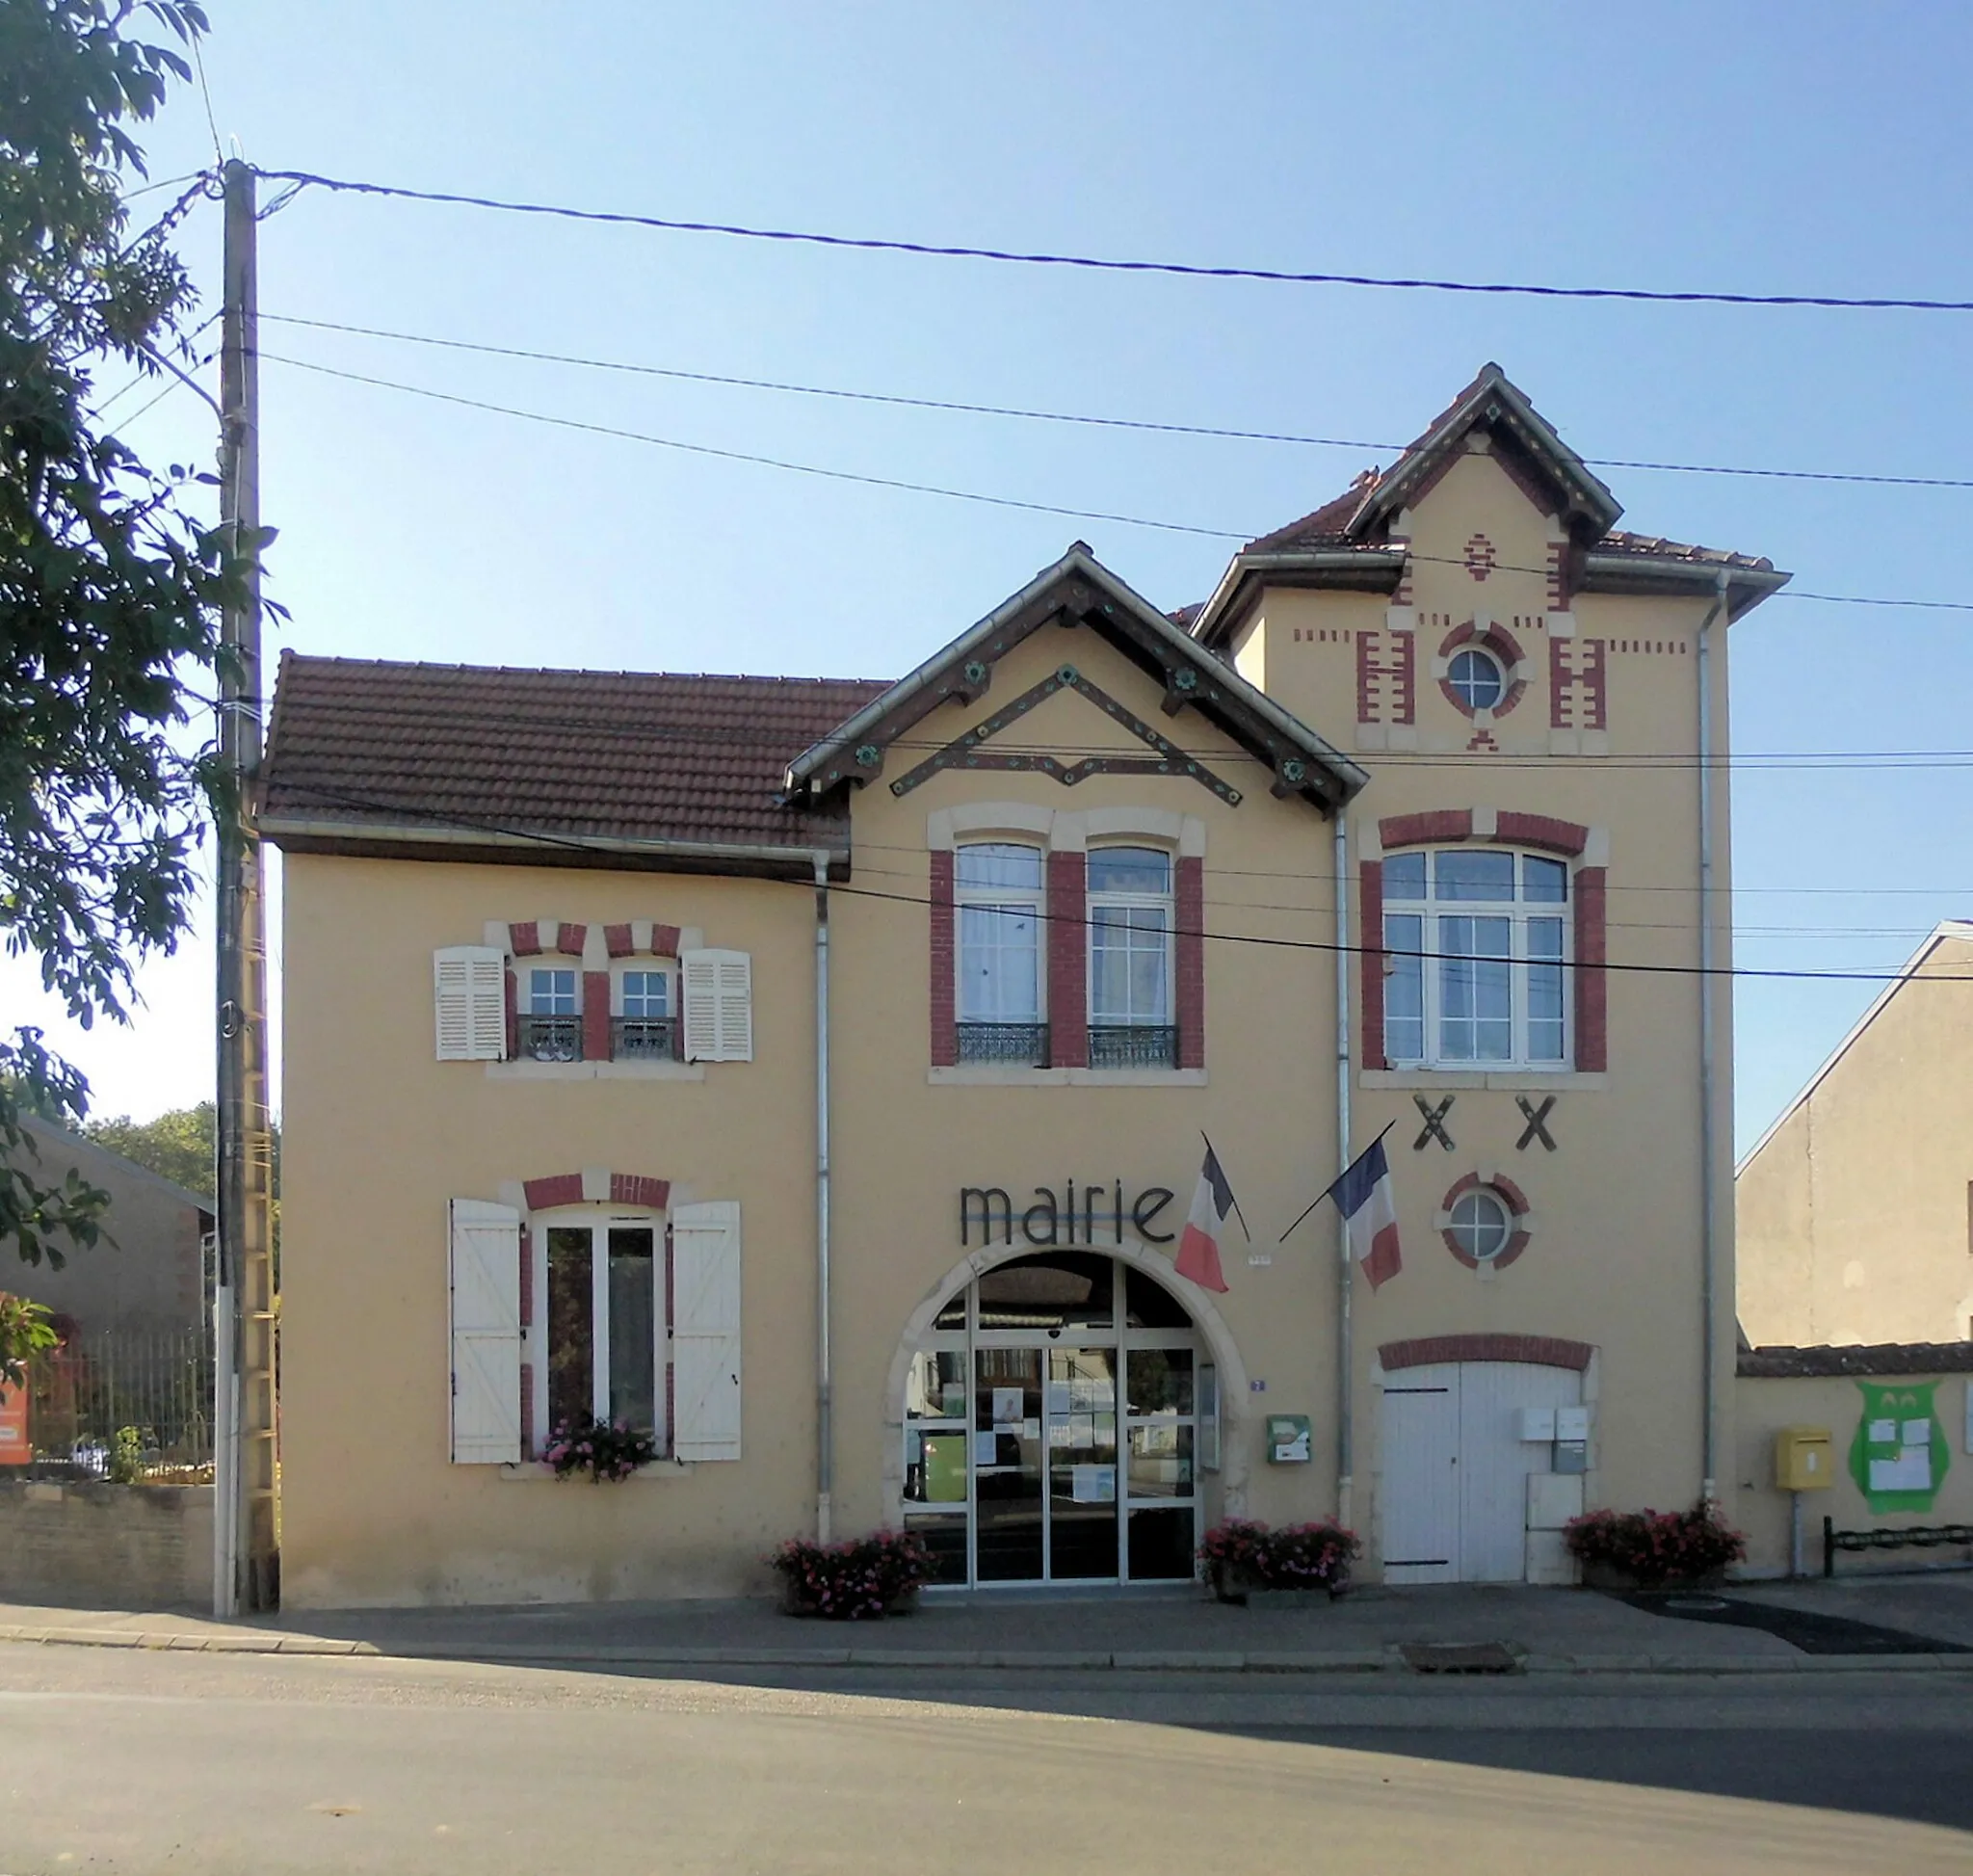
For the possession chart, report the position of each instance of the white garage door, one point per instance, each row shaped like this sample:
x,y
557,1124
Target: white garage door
x,y
1455,1470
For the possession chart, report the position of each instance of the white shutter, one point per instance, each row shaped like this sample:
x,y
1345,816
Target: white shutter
x,y
705,1330
485,1333
718,999
469,990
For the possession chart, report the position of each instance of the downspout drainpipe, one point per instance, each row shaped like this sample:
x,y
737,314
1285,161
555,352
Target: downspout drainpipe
x,y
825,1433
1709,1487
1346,1439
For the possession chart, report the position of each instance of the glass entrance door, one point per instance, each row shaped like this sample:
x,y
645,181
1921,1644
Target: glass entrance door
x,y
1082,1464
1050,1423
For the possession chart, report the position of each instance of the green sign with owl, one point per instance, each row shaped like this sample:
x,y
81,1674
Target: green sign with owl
x,y
1900,1455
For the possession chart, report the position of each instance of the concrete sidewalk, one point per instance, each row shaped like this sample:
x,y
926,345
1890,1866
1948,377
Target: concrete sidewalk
x,y
1546,1631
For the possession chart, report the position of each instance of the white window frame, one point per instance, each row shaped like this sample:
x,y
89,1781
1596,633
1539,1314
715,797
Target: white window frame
x,y
1482,1199
620,986
598,1221
1166,902
1000,898
533,969
1503,679
1432,965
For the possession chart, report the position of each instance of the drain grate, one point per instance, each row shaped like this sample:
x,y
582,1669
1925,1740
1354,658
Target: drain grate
x,y
1461,1657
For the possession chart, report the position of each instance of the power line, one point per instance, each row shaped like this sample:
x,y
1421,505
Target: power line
x,y
938,489
1187,269
576,843
681,375
745,455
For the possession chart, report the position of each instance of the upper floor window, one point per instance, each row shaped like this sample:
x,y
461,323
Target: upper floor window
x,y
1131,922
648,1027
1477,678
998,892
551,1025
1477,949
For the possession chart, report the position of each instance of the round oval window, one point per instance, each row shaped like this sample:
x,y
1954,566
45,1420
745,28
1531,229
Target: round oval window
x,y
1477,679
1481,1225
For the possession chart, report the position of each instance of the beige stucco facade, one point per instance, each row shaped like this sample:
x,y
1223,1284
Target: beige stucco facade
x,y
1855,1210
1599,1154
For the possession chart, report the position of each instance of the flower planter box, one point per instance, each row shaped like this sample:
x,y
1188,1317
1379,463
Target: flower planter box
x,y
1296,1567
859,1580
1600,1576
1248,1592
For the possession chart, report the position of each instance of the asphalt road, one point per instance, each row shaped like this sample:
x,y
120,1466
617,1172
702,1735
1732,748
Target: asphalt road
x,y
124,1760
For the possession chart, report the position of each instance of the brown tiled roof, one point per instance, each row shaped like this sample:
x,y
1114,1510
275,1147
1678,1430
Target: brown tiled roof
x,y
651,756
1621,541
1323,528
1778,1362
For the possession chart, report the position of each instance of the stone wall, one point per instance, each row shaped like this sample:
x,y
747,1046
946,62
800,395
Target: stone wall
x,y
106,1547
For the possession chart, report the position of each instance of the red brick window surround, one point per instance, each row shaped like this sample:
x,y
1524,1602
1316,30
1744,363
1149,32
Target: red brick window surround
x,y
1585,986
1493,1198
1490,1345
1500,646
1036,962
543,1023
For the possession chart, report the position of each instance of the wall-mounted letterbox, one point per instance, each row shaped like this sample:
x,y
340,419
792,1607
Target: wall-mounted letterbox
x,y
1802,1461
1288,1440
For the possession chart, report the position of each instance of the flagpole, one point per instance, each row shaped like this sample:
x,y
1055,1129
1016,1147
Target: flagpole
x,y
1346,1441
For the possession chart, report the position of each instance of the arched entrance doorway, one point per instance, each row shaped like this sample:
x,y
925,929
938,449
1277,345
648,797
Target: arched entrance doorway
x,y
1058,1413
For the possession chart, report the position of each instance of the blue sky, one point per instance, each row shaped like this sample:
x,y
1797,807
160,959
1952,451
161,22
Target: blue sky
x,y
1761,147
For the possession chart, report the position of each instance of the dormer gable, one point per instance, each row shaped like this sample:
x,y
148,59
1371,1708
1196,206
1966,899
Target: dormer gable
x,y
1081,594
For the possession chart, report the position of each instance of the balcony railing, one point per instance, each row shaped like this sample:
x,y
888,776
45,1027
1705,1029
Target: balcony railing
x,y
551,1039
1133,1045
643,1039
1009,1045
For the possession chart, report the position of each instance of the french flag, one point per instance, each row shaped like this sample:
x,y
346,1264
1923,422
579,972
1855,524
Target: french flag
x,y
1363,1196
1198,1250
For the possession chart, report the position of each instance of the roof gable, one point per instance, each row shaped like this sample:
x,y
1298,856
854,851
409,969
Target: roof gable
x,y
1078,591
1523,442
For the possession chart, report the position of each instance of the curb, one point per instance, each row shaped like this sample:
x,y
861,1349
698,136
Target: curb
x,y
1371,1661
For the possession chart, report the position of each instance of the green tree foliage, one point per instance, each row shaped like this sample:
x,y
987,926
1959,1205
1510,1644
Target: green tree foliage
x,y
109,583
178,1146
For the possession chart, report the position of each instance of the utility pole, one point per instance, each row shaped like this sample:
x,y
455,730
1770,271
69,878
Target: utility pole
x,y
246,1554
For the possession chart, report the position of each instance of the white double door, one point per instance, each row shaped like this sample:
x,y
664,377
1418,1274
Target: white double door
x,y
1456,1468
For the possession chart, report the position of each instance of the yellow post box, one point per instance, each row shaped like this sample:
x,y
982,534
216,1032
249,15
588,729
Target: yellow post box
x,y
1802,1461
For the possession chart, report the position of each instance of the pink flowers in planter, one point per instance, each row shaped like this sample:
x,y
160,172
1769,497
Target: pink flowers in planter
x,y
608,1451
860,1578
1656,1546
1242,1554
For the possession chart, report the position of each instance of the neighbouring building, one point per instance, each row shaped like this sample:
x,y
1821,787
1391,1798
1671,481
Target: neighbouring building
x,y
151,1271
570,1129
1855,1209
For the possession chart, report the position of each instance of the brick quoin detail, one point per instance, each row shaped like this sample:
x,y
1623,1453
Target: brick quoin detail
x,y
1068,942
573,940
1370,962
1425,829
595,1016
625,1189
1384,676
1191,908
1558,576
513,998
663,941
1543,1350
944,964
1577,693
616,941
525,941
1593,988
1440,825
1542,831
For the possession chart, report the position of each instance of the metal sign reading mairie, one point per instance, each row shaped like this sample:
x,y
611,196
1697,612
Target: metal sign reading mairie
x,y
1094,1216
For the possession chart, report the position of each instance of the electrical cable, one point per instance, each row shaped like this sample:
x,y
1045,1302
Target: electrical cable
x,y
577,844
950,494
679,374
1186,270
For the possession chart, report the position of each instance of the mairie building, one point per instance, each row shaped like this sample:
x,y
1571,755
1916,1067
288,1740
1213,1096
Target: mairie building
x,y
818,1072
